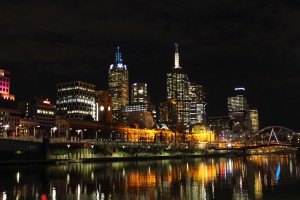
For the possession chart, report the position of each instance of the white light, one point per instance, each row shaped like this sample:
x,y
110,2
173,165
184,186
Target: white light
x,y
237,89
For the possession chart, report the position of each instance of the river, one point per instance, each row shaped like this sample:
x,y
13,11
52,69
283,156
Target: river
x,y
251,177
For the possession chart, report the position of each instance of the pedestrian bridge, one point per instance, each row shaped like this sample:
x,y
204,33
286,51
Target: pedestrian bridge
x,y
273,136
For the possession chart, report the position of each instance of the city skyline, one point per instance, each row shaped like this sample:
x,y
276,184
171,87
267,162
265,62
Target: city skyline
x,y
222,46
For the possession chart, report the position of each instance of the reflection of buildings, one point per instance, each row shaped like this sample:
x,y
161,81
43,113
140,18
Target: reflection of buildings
x,y
253,177
118,87
178,92
76,100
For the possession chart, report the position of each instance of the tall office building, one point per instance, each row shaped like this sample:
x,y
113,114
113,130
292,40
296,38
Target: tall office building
x,y
118,86
139,93
197,109
238,110
76,100
178,93
9,114
254,119
5,85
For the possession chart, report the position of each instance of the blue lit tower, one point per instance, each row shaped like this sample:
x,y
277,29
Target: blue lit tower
x,y
178,95
118,86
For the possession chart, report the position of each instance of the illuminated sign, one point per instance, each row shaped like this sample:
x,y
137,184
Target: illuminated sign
x,y
47,102
240,88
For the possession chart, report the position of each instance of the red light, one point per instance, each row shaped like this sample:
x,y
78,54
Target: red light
x,y
44,197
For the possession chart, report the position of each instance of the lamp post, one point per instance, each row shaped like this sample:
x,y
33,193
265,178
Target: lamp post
x,y
52,131
78,132
34,130
17,127
5,128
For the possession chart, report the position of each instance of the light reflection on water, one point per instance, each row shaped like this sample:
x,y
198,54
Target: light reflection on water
x,y
252,177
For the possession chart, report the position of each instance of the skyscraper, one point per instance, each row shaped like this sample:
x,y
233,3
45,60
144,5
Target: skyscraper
x,y
76,100
254,119
178,94
118,86
9,114
238,110
197,109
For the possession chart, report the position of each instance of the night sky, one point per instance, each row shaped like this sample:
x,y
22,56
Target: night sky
x,y
222,44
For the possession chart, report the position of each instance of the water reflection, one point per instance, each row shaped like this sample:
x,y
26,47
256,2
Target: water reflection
x,y
253,177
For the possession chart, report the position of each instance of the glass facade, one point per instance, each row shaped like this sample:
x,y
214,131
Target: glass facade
x,y
197,109
76,100
178,92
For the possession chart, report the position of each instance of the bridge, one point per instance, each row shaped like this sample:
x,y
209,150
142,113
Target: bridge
x,y
272,137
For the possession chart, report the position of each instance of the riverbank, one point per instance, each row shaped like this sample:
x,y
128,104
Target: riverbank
x,y
117,157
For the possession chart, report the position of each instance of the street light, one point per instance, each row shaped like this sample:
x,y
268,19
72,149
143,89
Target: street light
x,y
34,130
78,132
52,131
5,128
17,127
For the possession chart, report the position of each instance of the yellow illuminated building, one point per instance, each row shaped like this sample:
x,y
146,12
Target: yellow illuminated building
x,y
199,133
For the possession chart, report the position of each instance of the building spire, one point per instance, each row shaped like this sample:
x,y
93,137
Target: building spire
x,y
176,57
118,56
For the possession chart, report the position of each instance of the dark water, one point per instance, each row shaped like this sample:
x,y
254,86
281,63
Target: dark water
x,y
253,177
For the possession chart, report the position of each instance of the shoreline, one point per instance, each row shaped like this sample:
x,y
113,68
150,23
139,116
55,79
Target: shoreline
x,y
129,158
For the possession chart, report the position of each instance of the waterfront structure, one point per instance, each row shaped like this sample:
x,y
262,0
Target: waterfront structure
x,y
76,100
9,114
254,119
200,133
197,107
104,105
118,86
178,94
76,130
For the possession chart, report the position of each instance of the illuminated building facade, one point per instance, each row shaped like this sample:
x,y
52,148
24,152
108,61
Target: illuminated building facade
x,y
104,104
178,93
45,113
221,126
238,110
5,85
40,111
76,100
9,114
139,93
254,120
118,86
197,109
